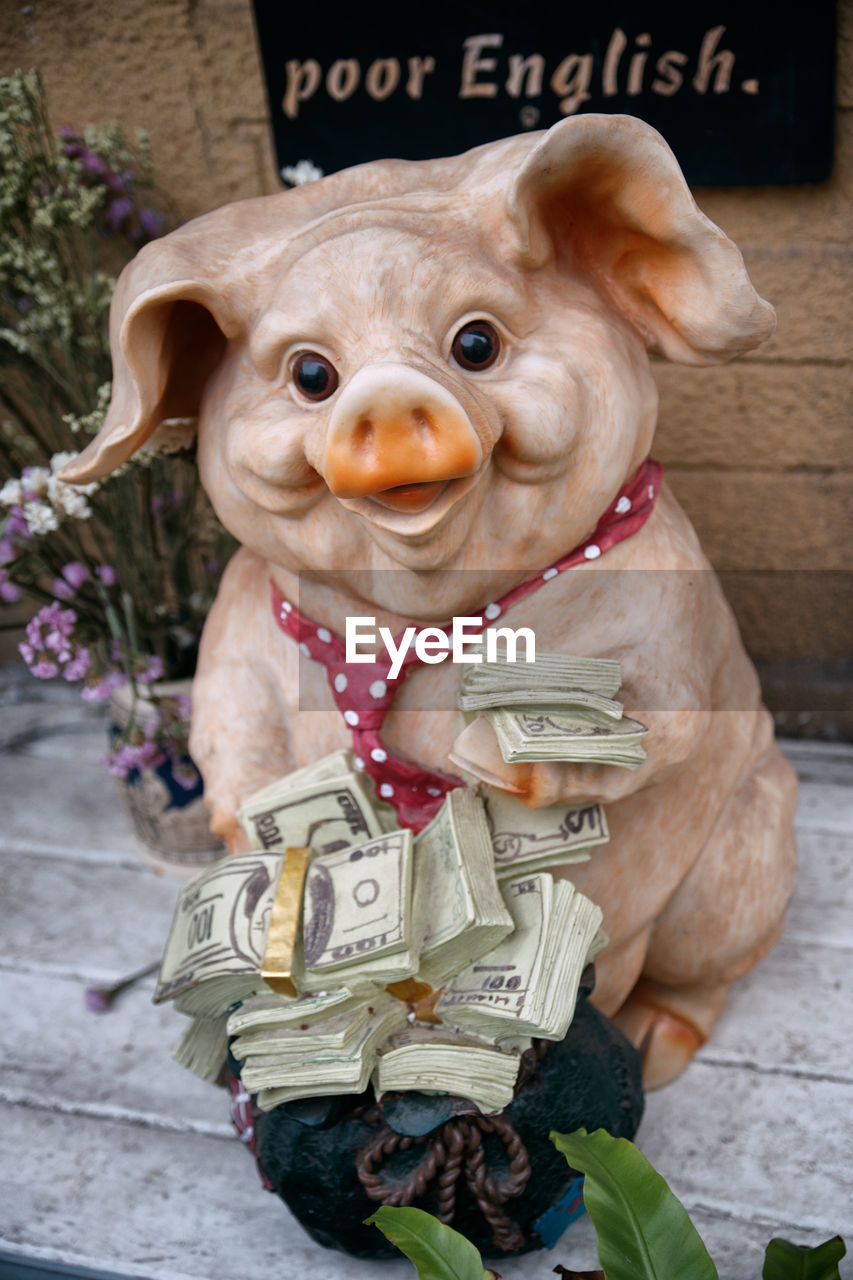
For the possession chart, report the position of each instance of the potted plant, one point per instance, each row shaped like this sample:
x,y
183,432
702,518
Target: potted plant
x,y
120,573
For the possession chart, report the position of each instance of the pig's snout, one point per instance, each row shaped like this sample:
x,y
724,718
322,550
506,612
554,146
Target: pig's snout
x,y
398,436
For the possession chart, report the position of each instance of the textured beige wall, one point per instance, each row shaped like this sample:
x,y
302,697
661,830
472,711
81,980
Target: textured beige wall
x,y
760,452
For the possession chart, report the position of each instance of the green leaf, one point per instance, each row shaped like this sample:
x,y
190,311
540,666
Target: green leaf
x,y
643,1231
438,1252
786,1261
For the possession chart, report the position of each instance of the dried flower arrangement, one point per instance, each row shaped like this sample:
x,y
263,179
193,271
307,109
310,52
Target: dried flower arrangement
x,y
124,570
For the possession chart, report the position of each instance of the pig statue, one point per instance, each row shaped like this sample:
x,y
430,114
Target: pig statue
x,y
429,384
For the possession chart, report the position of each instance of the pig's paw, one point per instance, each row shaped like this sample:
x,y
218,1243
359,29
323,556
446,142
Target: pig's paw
x,y
223,823
539,784
665,1039
476,751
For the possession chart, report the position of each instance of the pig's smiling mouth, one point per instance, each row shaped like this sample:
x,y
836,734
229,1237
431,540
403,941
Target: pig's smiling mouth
x,y
410,497
413,510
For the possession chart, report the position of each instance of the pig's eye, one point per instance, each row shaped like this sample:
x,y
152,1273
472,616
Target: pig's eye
x,y
476,345
315,376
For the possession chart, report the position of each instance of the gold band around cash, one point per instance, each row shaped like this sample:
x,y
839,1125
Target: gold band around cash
x,y
277,964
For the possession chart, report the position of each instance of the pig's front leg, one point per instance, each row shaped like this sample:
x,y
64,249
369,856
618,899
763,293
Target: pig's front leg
x,y
239,737
673,736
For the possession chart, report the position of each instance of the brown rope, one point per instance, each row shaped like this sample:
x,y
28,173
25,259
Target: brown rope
x,y
454,1149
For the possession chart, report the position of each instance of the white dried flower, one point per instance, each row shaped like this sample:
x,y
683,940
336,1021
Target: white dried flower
x,y
174,435
34,481
301,172
70,499
10,494
60,460
40,518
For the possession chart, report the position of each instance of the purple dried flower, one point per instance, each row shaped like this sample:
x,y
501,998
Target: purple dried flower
x,y
98,999
57,646
103,687
45,670
75,574
54,617
79,665
129,758
153,670
48,644
118,210
185,773
92,162
16,525
9,591
152,221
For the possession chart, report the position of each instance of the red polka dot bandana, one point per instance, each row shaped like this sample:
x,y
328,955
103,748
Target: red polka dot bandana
x,y
364,692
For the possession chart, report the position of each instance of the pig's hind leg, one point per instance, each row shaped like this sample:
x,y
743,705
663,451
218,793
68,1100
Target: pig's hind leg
x,y
725,916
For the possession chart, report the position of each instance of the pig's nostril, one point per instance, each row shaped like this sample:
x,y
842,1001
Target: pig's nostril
x,y
423,421
363,435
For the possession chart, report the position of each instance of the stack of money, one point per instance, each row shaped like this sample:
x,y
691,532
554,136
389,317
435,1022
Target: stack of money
x,y
556,672
313,1061
457,904
528,985
274,1011
272,1058
357,923
556,708
583,737
285,953
525,839
326,806
440,1060
203,1047
214,954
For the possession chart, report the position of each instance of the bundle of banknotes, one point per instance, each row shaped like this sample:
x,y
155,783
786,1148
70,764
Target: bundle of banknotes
x,y
285,952
556,708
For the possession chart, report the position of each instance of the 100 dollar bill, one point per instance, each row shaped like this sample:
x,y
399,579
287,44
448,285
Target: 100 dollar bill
x,y
325,815
357,914
220,925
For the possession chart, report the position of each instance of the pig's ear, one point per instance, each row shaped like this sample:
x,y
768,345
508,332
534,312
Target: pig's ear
x,y
169,324
606,193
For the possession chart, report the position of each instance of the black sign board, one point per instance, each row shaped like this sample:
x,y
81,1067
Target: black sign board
x,y
742,90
